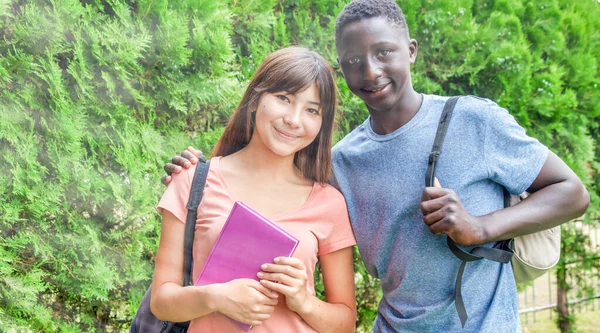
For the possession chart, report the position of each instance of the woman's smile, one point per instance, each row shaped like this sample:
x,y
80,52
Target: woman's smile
x,y
286,135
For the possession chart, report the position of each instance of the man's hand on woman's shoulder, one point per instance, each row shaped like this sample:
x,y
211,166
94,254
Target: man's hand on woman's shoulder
x,y
187,158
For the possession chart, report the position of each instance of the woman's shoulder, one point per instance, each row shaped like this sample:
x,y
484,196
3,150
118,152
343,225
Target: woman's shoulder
x,y
185,177
330,195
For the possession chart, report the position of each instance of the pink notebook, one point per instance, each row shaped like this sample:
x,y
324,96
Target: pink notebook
x,y
247,241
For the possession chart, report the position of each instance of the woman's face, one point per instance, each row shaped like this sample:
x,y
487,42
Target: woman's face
x,y
287,123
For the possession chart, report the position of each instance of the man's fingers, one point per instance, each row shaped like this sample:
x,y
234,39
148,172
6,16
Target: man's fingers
x,y
436,183
433,217
172,168
165,180
431,193
440,227
189,156
181,161
432,205
196,152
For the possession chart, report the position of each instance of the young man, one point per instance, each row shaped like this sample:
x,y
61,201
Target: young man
x,y
401,226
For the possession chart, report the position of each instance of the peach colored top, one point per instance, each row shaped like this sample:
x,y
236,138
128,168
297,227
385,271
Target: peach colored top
x,y
321,224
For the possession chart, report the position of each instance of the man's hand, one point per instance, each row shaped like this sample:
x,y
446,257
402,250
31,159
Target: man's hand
x,y
188,158
444,213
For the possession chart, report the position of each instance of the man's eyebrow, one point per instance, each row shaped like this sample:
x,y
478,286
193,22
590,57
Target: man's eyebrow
x,y
384,43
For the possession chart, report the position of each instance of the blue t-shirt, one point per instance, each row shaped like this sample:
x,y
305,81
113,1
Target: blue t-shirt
x,y
382,178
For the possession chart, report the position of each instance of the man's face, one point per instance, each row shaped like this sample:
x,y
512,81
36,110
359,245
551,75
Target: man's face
x,y
375,58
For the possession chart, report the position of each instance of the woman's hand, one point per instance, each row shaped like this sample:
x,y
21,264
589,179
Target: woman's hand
x,y
287,276
245,300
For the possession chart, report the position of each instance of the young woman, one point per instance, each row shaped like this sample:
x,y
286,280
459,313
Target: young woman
x,y
274,156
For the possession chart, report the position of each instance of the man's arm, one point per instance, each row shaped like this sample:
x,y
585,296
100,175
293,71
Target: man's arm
x,y
557,196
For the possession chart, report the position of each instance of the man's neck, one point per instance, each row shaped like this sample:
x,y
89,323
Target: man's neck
x,y
385,122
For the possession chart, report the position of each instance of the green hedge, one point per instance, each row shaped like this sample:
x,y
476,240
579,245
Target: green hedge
x,y
95,96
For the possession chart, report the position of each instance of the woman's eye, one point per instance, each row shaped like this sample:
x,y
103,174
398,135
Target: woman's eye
x,y
283,98
313,111
353,61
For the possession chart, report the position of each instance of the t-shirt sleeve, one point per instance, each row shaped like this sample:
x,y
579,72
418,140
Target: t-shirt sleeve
x,y
336,229
177,194
513,158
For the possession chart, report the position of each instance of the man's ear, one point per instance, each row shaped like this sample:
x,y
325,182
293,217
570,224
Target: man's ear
x,y
337,59
413,49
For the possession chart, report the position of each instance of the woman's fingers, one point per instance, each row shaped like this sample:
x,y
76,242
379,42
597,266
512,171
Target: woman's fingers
x,y
289,266
280,278
280,287
291,261
268,293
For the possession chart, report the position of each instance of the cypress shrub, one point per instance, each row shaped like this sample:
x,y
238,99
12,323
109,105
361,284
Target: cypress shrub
x,y
95,96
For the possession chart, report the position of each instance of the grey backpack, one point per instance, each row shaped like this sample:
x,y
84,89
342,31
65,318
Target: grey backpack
x,y
530,255
144,320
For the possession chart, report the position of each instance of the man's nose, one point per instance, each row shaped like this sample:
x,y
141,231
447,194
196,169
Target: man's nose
x,y
372,69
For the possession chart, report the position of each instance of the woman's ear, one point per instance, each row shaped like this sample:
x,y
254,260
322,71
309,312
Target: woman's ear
x,y
254,104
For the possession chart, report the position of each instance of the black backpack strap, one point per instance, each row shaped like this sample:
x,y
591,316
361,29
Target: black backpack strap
x,y
440,135
501,251
190,225
190,222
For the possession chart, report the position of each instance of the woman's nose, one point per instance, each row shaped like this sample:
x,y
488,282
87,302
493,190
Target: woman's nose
x,y
292,119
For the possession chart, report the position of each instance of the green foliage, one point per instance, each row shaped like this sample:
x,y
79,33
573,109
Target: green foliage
x,y
96,95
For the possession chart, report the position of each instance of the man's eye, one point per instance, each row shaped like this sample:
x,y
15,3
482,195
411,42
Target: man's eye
x,y
283,98
353,61
384,53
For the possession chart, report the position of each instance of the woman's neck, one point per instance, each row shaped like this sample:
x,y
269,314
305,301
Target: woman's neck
x,y
261,162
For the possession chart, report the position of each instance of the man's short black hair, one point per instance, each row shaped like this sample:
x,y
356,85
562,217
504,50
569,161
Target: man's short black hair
x,y
363,9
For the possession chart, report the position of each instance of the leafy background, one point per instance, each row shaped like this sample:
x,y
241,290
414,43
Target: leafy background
x,y
95,96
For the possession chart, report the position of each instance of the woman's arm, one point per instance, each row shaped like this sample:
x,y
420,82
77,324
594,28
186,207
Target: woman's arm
x,y
338,313
244,300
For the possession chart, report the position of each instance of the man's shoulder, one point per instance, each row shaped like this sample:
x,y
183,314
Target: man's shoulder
x,y
357,134
469,111
479,107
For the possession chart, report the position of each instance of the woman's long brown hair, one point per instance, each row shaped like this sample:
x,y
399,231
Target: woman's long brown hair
x,y
292,70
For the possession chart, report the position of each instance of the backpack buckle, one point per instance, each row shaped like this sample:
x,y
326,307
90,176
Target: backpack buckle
x,y
434,156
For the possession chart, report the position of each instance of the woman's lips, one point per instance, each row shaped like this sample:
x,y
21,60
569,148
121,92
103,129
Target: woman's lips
x,y
286,135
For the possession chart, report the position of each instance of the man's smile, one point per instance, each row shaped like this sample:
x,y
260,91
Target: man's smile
x,y
376,90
